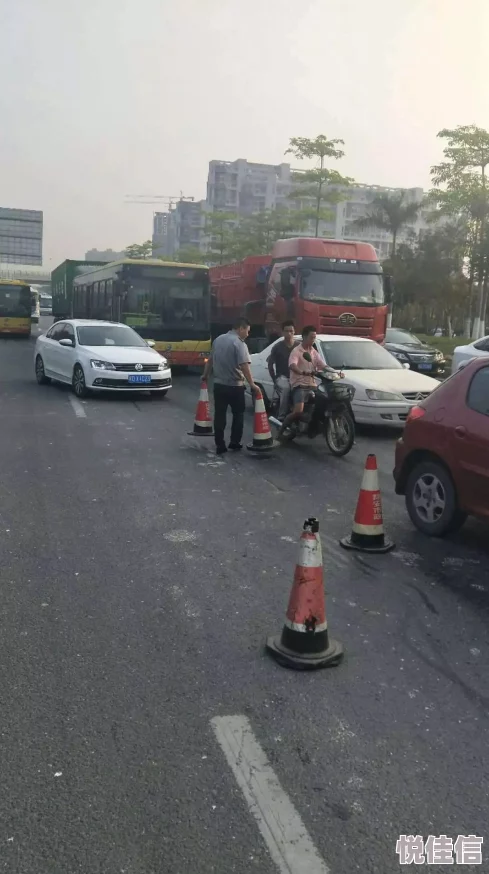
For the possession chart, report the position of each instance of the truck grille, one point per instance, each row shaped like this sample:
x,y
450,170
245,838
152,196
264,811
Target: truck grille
x,y
131,368
361,328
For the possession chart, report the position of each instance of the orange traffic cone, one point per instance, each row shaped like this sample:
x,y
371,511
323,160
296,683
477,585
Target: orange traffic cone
x,y
368,527
262,436
203,423
304,643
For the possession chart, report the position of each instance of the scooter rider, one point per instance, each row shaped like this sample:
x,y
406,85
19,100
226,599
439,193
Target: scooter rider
x,y
302,373
278,366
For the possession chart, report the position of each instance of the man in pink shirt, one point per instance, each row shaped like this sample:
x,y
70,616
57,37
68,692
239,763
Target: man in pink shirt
x,y
302,373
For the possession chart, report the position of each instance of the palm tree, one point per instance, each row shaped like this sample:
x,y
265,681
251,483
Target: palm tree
x,y
389,212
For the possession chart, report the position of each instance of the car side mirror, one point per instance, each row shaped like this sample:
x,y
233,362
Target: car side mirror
x,y
65,341
151,343
406,366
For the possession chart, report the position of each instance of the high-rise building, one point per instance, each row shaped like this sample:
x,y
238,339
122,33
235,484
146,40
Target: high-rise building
x,y
244,188
103,255
181,228
21,236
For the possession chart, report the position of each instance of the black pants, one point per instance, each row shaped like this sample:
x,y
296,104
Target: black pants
x,y
228,396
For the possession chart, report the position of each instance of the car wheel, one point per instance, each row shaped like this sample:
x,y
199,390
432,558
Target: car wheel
x,y
78,382
431,500
41,377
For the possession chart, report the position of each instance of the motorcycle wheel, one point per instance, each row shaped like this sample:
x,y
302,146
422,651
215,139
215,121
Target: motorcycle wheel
x,y
340,434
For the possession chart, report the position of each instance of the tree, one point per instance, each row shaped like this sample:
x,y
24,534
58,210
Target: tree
x,y
461,188
220,228
190,255
139,250
316,184
431,286
256,234
391,213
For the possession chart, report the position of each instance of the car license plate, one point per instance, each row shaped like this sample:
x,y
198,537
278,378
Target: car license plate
x,y
139,378
425,366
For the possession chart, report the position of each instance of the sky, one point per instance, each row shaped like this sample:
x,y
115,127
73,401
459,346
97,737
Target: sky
x,y
104,99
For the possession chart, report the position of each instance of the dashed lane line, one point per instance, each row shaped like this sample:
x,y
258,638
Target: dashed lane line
x,y
78,408
282,829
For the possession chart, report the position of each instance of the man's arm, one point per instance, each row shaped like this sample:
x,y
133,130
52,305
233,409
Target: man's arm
x,y
271,364
246,371
294,362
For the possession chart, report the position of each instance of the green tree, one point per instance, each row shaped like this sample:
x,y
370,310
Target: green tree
x,y
190,255
139,250
391,213
220,228
256,234
461,188
317,183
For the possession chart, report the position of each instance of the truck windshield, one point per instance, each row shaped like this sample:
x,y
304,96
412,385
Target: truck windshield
x,y
15,301
327,286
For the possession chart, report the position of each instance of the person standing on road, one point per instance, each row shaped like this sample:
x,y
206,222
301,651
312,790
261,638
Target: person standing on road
x,y
302,373
278,366
229,361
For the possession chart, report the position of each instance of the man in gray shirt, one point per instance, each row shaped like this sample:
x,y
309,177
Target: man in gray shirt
x,y
229,361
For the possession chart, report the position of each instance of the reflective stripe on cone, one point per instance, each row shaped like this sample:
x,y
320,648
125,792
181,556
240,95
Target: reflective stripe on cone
x,y
367,533
262,436
202,421
304,642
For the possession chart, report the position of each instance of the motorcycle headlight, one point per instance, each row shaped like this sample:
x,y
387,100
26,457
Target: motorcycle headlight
x,y
382,395
101,365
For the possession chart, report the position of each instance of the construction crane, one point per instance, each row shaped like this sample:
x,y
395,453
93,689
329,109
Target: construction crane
x,y
164,200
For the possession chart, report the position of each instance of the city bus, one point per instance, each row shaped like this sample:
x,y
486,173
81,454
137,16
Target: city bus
x,y
164,302
15,308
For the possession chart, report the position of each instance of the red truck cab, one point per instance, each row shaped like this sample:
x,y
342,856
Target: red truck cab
x,y
335,285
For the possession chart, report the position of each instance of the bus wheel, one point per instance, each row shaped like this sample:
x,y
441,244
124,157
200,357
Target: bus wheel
x,y
41,377
78,382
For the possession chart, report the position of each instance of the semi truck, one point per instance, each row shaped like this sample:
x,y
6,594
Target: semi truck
x,y
336,285
62,279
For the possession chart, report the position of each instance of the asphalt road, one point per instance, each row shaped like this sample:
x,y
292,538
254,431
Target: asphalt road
x,y
140,577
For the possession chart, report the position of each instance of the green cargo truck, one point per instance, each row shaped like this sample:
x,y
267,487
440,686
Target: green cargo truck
x,y
62,279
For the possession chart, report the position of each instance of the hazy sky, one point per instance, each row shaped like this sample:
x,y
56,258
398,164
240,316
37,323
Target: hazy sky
x,y
115,97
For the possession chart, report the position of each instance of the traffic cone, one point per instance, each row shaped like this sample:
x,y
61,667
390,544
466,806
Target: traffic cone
x,y
262,436
202,422
368,527
304,643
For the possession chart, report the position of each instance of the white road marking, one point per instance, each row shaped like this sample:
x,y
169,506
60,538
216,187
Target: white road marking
x,y
77,407
283,831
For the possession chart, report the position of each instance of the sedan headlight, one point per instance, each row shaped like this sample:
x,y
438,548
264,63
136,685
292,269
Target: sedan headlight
x,y
163,364
439,356
382,395
400,356
101,365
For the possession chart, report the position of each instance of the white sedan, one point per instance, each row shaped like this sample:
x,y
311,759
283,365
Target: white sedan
x,y
464,354
385,390
101,356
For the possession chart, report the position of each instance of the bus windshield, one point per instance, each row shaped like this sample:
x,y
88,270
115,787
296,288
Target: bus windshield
x,y
15,300
327,286
168,302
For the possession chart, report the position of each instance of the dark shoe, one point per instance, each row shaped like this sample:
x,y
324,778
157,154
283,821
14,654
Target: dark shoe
x,y
220,450
235,447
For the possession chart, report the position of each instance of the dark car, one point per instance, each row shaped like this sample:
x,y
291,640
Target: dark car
x,y
442,459
410,350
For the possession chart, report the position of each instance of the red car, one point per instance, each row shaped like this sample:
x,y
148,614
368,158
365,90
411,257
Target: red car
x,y
442,459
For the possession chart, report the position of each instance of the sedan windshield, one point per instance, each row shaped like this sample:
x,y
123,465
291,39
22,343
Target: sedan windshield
x,y
351,355
394,335
108,335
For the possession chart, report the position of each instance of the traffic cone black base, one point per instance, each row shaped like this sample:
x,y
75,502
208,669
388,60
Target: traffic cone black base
x,y
287,658
386,546
262,450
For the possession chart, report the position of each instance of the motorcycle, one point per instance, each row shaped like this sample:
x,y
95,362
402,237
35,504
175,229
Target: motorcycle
x,y
327,411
